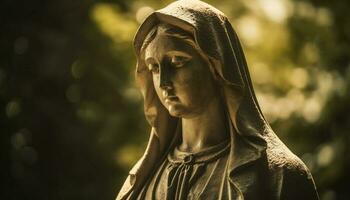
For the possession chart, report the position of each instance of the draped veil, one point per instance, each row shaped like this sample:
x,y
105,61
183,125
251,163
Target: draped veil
x,y
215,36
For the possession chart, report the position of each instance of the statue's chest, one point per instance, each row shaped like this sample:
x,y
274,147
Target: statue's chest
x,y
190,177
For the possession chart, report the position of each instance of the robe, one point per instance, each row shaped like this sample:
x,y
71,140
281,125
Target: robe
x,y
258,165
187,175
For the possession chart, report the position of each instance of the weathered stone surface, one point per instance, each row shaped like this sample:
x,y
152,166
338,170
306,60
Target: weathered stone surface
x,y
209,138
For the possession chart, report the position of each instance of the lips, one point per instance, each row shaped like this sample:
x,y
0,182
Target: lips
x,y
169,99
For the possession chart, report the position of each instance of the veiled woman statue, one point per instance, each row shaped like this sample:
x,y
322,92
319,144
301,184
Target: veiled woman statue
x,y
209,138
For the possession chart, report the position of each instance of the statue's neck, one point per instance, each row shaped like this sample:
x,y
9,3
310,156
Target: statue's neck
x,y
206,129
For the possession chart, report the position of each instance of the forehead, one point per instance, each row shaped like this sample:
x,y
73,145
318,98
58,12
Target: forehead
x,y
163,43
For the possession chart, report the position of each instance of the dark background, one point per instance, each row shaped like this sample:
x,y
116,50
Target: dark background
x,y
71,119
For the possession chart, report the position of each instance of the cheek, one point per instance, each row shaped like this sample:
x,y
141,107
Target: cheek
x,y
156,83
156,87
191,82
190,74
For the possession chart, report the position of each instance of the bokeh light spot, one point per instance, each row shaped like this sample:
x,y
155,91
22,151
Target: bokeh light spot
x,y
312,109
132,94
310,53
89,111
304,9
18,140
261,73
325,155
77,69
276,10
250,30
299,78
112,23
128,155
13,108
324,17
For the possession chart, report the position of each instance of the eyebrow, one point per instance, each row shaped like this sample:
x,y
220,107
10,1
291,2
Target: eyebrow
x,y
181,53
170,53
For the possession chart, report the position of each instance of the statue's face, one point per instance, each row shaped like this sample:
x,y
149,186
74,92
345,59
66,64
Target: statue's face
x,y
181,76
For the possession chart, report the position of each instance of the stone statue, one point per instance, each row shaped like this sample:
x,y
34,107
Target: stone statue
x,y
209,138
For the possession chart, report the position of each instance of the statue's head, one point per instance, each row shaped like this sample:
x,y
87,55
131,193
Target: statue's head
x,y
187,54
181,72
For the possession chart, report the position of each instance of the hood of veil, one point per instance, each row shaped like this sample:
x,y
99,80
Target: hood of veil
x,y
215,36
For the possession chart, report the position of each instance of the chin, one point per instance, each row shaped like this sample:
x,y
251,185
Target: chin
x,y
180,111
176,111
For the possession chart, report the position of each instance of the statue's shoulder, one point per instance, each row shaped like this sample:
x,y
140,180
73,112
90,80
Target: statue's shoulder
x,y
290,172
283,158
280,156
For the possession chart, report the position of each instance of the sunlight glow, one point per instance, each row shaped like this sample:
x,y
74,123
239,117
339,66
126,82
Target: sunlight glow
x,y
112,23
299,77
275,10
308,105
325,155
305,9
249,29
312,109
142,13
262,73
127,155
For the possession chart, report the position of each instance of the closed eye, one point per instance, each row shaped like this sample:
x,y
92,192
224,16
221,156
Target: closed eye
x,y
154,68
179,61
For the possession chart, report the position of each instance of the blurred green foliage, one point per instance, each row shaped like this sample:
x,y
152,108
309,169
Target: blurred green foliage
x,y
71,117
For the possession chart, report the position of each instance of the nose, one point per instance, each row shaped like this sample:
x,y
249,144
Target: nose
x,y
164,79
